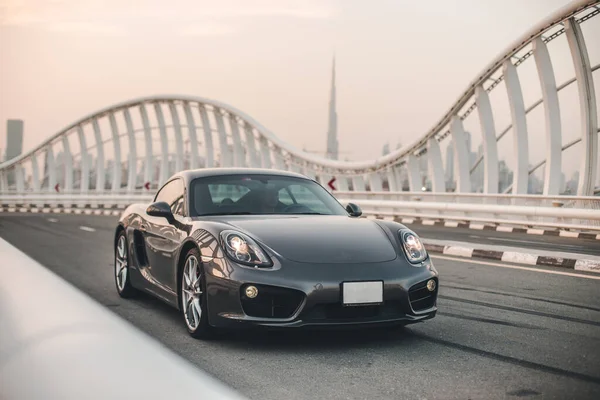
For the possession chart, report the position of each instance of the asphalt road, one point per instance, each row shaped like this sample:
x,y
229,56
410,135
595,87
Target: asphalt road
x,y
527,241
501,333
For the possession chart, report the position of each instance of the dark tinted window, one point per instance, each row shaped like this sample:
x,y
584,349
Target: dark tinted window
x,y
260,194
172,194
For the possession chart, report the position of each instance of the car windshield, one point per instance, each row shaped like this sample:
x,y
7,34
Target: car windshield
x,y
260,194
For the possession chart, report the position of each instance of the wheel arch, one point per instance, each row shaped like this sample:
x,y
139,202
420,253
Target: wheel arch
x,y
120,228
185,248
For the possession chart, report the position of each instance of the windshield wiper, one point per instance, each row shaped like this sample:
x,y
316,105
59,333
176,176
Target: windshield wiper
x,y
307,213
227,213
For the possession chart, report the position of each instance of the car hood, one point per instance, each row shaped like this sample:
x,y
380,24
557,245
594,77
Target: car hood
x,y
320,239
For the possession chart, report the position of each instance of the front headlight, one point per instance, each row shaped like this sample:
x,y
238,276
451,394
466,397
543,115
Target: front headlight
x,y
412,245
242,249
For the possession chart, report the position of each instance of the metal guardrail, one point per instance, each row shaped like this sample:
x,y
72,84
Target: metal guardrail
x,y
57,343
564,212
555,217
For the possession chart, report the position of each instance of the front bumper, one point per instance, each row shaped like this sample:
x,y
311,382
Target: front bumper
x,y
309,295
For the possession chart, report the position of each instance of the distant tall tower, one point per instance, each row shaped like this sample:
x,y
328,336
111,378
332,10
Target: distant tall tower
x,y
14,144
14,138
332,143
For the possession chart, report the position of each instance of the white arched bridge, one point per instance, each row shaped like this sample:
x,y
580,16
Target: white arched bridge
x,y
129,149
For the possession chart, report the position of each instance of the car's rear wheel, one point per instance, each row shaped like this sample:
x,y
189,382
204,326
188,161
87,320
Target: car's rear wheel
x,y
122,279
193,297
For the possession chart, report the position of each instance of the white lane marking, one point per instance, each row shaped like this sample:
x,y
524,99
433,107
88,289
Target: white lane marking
x,y
87,229
493,264
52,220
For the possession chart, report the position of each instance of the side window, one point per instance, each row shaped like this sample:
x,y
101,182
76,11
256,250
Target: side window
x,y
172,194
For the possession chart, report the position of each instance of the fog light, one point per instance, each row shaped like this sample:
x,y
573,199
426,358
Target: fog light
x,y
251,292
430,285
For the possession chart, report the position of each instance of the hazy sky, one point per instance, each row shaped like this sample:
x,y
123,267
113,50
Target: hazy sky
x,y
400,63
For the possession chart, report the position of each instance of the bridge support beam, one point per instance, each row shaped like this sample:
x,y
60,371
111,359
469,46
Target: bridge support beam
x,y
375,182
279,161
208,140
51,168
490,146
132,159
68,164
148,157
552,114
238,151
193,137
252,156
519,128
100,178
35,174
19,172
116,177
414,176
341,183
358,183
309,172
178,138
587,104
164,145
226,153
84,184
461,155
436,167
392,182
265,153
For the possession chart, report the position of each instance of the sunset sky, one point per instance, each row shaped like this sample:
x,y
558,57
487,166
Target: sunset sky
x,y
400,63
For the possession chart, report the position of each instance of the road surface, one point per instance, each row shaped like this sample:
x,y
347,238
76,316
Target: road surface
x,y
501,332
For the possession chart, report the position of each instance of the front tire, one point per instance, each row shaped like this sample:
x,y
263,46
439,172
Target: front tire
x,y
193,297
121,273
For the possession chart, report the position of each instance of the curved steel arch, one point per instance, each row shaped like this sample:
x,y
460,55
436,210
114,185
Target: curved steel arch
x,y
274,152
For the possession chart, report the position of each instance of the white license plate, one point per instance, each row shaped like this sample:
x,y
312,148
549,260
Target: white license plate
x,y
356,293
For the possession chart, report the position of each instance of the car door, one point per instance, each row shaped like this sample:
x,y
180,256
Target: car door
x,y
162,238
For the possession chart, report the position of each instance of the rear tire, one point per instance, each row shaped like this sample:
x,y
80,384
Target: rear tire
x,y
121,271
193,297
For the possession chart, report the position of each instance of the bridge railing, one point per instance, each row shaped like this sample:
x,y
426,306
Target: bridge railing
x,y
591,202
565,212
60,344
559,212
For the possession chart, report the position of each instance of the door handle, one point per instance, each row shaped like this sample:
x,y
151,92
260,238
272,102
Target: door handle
x,y
143,227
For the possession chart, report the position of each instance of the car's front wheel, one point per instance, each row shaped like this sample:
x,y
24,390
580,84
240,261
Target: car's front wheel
x,y
122,279
193,297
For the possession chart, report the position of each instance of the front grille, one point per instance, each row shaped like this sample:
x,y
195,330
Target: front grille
x,y
338,312
271,302
421,298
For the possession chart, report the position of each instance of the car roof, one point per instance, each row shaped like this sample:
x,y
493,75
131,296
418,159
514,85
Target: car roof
x,y
191,174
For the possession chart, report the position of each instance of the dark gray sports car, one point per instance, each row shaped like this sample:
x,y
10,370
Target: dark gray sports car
x,y
253,247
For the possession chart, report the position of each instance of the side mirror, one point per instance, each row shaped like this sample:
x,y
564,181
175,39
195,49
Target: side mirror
x,y
354,210
160,209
